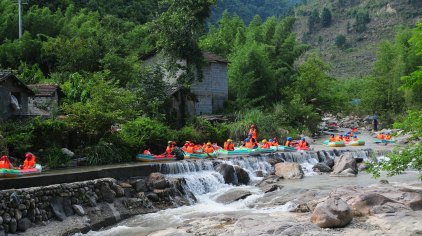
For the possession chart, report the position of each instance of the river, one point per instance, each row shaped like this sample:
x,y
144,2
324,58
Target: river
x,y
246,216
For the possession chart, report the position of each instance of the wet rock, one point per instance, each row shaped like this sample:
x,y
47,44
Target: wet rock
x,y
332,213
242,175
345,161
329,162
120,192
13,226
321,167
140,185
289,170
67,207
24,224
108,194
6,218
18,214
57,207
228,173
270,188
232,196
365,203
384,181
157,181
79,210
259,173
153,197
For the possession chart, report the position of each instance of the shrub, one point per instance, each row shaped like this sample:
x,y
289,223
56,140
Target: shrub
x,y
52,132
340,41
53,158
145,133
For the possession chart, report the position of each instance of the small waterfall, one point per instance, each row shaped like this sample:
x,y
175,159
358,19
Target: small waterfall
x,y
252,165
186,167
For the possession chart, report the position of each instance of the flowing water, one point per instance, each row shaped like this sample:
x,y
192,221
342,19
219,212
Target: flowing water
x,y
207,184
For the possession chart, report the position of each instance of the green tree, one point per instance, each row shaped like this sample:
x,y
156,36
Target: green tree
x,y
313,20
326,17
340,41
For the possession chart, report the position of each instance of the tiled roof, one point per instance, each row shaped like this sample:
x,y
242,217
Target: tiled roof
x,y
4,75
44,90
211,57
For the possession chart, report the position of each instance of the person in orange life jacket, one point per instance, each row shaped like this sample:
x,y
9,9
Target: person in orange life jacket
x,y
190,147
5,163
339,138
346,137
354,130
169,148
209,148
355,138
289,142
185,146
381,136
303,143
332,139
265,144
253,131
29,162
274,142
147,152
254,144
228,145
388,136
248,143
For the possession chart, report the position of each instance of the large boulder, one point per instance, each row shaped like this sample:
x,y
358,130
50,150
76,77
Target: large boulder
x,y
289,170
332,213
329,162
157,181
140,185
242,175
228,172
108,194
369,204
232,196
343,162
24,224
57,207
321,167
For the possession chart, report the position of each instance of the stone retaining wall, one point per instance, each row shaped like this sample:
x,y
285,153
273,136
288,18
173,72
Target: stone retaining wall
x,y
101,201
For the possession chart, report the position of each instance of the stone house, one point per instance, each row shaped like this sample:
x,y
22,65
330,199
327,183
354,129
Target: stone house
x,y
14,96
45,100
205,97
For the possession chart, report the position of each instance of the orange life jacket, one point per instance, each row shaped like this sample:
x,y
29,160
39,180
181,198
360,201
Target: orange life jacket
x,y
29,164
169,149
248,145
209,149
387,137
275,144
380,136
228,146
355,139
355,130
288,143
190,149
253,132
303,144
4,165
332,139
265,146
337,138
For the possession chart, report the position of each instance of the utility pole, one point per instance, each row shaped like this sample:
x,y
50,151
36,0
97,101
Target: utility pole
x,y
20,17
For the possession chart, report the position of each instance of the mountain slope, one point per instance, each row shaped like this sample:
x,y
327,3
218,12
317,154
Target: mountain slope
x,y
357,49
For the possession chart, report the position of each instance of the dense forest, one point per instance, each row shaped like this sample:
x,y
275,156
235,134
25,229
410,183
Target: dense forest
x,y
93,50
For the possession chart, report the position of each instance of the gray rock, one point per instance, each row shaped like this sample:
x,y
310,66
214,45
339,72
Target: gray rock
x,y
18,214
321,167
108,194
24,224
270,188
343,162
232,196
384,181
332,213
242,175
153,197
289,170
67,152
140,185
157,181
13,226
364,204
67,207
79,210
6,218
120,192
259,173
228,173
22,207
329,162
57,208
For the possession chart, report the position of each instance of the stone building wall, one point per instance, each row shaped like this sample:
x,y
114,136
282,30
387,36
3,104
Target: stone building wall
x,y
212,91
43,106
6,89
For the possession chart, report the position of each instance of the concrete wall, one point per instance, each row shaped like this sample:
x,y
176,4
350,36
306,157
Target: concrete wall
x,y
43,106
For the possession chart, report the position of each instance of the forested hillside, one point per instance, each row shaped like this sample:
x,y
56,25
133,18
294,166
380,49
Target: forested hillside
x,y
347,33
